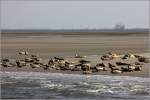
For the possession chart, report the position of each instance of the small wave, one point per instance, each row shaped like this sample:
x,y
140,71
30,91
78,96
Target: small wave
x,y
140,92
3,82
52,85
41,75
92,91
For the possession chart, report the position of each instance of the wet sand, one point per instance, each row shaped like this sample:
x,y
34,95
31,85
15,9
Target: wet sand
x,y
48,46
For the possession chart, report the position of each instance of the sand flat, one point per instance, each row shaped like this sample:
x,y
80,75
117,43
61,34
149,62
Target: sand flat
x,y
67,45
48,46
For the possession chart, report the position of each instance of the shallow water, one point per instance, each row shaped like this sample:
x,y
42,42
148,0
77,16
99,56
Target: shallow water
x,y
36,85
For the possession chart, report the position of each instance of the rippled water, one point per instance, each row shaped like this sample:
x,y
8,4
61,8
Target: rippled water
x,y
36,85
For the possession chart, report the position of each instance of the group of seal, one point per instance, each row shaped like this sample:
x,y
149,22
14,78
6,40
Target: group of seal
x,y
59,63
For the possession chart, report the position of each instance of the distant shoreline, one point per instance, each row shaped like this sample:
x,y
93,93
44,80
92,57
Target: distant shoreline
x,y
77,32
139,30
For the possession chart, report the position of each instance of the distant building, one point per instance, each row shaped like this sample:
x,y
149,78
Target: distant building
x,y
119,27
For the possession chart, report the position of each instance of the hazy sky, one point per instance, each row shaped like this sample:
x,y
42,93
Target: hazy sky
x,y
73,14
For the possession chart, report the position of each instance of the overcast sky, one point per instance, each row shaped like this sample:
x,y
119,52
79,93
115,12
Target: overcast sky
x,y
73,14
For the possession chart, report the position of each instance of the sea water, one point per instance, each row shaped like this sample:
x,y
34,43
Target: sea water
x,y
39,85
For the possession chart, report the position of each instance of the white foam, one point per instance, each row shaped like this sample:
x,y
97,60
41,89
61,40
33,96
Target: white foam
x,y
42,75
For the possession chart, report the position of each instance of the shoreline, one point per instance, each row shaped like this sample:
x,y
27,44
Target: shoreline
x,y
128,74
